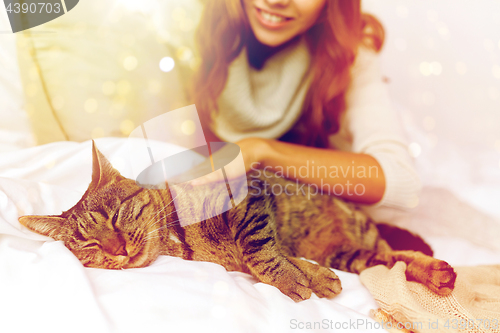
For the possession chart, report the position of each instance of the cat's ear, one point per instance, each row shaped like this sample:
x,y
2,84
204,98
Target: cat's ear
x,y
102,171
50,226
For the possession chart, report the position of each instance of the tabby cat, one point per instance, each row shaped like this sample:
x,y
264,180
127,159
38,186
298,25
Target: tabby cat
x,y
118,224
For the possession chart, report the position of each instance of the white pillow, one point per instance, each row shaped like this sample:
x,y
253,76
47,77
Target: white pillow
x,y
98,73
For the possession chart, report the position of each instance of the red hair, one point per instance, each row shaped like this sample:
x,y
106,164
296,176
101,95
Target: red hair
x,y
333,42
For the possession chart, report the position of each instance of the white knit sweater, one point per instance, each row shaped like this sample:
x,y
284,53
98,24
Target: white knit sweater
x,y
268,102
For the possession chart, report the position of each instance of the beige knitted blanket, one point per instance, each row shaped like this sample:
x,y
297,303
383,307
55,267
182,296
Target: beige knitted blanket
x,y
474,305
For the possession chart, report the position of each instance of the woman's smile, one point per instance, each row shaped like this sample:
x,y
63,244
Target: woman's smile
x,y
271,20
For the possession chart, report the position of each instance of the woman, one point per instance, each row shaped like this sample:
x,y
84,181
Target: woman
x,y
296,84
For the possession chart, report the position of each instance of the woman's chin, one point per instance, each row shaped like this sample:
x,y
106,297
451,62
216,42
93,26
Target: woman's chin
x,y
271,41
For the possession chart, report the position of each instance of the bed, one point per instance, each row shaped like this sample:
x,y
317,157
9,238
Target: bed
x,y
44,288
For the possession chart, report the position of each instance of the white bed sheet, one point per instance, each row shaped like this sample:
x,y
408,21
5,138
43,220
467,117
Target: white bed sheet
x,y
44,288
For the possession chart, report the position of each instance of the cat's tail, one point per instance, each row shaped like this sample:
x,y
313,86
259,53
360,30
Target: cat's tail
x,y
400,239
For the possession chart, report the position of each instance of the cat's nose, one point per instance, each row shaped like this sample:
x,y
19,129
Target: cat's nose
x,y
121,251
115,246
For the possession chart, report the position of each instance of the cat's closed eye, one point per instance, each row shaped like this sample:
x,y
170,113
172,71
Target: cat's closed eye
x,y
90,245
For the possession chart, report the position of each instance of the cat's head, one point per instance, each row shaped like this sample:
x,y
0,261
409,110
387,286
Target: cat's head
x,y
114,225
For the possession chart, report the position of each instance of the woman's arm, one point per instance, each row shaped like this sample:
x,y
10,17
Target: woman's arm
x,y
353,176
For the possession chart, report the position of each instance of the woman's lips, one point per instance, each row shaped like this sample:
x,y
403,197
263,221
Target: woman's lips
x,y
271,21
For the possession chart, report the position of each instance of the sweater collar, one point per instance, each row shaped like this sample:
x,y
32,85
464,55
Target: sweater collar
x,y
264,102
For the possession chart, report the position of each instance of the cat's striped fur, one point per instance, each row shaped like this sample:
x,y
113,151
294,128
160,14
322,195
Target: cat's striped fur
x,y
118,224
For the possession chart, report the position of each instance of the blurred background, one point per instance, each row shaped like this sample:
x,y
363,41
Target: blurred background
x,y
442,59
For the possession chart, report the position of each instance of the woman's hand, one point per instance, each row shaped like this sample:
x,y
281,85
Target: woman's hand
x,y
253,151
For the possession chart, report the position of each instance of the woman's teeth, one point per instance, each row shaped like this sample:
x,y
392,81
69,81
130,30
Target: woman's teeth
x,y
272,18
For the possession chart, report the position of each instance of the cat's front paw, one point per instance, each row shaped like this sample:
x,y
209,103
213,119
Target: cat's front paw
x,y
325,283
295,285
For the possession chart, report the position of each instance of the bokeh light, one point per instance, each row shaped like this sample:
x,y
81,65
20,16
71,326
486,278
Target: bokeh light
x,y
430,68
167,64
443,30
123,87
127,126
497,146
432,15
130,63
178,14
425,68
91,105
496,71
188,127
414,149
184,53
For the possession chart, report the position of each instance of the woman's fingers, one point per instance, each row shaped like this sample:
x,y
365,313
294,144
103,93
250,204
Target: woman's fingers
x,y
197,171
222,161
210,178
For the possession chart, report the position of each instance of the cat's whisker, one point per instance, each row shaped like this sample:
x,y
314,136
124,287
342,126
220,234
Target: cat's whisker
x,y
153,222
168,204
168,224
150,224
148,236
157,229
